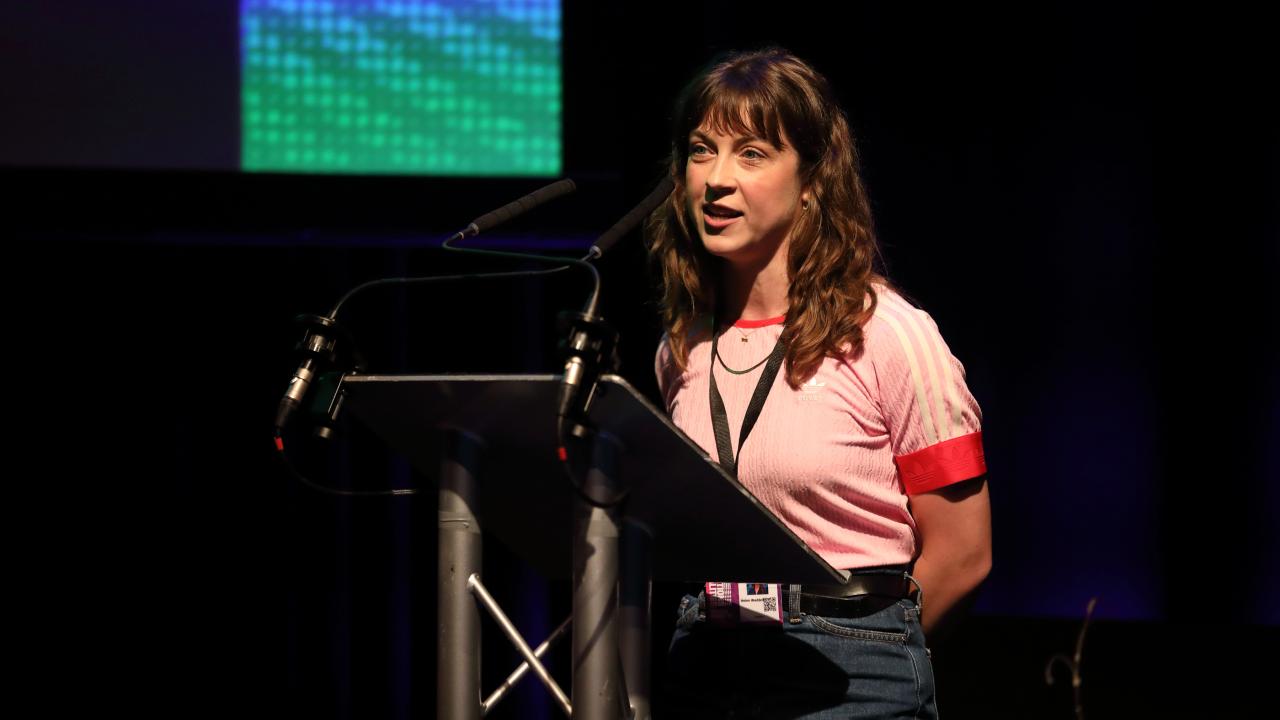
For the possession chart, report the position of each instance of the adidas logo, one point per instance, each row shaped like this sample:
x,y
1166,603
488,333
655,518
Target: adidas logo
x,y
812,389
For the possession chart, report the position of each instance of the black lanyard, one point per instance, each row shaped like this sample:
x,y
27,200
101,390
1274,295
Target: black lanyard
x,y
720,419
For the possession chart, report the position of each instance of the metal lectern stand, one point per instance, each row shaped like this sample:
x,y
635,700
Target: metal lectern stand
x,y
491,442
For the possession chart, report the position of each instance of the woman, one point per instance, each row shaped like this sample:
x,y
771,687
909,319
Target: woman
x,y
836,402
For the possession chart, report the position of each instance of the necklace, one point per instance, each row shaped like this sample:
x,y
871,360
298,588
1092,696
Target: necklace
x,y
740,372
715,350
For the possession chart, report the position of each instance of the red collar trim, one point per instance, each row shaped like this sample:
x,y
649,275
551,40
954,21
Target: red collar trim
x,y
760,323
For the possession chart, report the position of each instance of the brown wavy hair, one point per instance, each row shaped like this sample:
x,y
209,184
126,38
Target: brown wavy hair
x,y
833,255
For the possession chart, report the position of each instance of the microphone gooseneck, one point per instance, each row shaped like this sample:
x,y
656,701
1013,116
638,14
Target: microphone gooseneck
x,y
632,219
519,207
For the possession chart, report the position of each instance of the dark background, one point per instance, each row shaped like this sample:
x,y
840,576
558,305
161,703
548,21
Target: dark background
x,y
1084,198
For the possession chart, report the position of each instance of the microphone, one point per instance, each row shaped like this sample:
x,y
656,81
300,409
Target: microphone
x,y
516,208
591,342
633,218
298,385
318,345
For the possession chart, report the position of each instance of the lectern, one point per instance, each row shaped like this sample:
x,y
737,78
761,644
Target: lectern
x,y
490,439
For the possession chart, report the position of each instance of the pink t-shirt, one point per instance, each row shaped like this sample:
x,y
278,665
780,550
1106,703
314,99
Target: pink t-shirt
x,y
837,459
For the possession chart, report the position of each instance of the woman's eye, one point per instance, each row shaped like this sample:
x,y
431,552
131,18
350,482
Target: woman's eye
x,y
698,150
752,154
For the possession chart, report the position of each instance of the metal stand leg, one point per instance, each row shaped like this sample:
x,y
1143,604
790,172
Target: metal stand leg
x,y
636,599
530,655
525,667
458,627
597,691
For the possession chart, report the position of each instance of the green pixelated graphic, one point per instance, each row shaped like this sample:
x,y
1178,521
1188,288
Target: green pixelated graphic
x,y
461,88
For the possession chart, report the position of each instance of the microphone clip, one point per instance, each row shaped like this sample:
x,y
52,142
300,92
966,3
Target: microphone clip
x,y
324,345
320,337
589,348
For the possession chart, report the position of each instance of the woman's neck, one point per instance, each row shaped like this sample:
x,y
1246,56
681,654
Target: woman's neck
x,y
754,292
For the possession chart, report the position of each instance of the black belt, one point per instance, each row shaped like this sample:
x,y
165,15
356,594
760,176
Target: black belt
x,y
862,595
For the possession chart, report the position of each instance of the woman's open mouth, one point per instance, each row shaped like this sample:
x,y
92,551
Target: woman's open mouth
x,y
718,216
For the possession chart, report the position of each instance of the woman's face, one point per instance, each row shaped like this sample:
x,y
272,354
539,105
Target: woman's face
x,y
743,194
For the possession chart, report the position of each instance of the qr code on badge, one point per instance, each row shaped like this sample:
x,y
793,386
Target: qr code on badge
x,y
770,605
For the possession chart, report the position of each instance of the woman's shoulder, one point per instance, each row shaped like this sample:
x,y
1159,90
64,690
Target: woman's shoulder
x,y
897,324
699,332
671,374
891,302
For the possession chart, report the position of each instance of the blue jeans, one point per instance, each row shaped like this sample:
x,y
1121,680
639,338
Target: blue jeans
x,y
874,666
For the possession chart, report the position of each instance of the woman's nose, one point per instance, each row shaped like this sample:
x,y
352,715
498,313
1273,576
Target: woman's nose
x,y
720,178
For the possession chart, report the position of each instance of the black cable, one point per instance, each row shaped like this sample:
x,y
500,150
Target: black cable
x,y
333,314
578,489
595,274
283,457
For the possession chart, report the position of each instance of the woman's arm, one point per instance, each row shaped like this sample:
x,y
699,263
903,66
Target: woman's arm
x,y
954,526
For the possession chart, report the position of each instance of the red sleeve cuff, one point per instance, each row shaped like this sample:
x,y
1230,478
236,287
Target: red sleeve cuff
x,y
942,464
